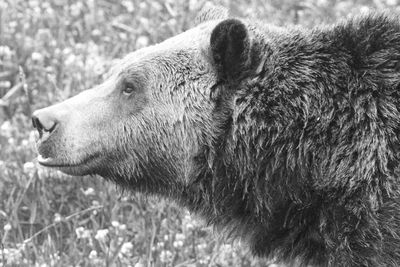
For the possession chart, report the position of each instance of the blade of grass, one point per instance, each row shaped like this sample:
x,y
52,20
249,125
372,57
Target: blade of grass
x,y
69,217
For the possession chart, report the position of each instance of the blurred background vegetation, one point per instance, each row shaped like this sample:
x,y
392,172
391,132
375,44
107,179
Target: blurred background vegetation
x,y
50,50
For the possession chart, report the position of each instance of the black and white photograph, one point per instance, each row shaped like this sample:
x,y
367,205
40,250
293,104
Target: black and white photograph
x,y
200,133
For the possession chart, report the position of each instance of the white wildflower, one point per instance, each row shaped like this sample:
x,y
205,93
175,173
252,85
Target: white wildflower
x,y
115,224
365,10
179,236
126,248
82,233
125,199
70,60
178,244
101,235
79,231
11,141
96,33
12,24
6,129
160,245
142,5
7,227
189,226
3,5
5,51
391,2
88,192
93,254
142,41
37,57
29,167
66,51
202,246
12,255
25,142
165,256
128,5
76,9
57,217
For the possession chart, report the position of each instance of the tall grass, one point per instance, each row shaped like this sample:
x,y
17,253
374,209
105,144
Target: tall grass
x,y
49,50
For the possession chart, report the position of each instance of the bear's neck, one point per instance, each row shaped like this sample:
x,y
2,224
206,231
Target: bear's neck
x,y
255,177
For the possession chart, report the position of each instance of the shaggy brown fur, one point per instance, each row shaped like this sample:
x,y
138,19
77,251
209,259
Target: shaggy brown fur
x,y
288,138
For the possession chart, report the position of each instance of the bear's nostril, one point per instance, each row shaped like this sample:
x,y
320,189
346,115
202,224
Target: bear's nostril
x,y
36,124
43,123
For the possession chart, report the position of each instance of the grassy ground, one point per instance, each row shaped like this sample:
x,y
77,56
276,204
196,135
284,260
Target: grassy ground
x,y
49,50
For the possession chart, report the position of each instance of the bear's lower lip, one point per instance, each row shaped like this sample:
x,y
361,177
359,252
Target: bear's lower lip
x,y
84,167
52,162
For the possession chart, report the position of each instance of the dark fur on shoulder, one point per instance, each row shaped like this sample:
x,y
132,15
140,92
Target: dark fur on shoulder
x,y
307,164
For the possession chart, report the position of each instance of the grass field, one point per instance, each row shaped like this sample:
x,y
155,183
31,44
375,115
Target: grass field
x,y
50,50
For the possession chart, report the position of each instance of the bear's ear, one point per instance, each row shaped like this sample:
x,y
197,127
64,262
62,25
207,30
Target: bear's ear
x,y
230,47
211,12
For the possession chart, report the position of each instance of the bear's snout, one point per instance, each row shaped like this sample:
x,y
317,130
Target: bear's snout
x,y
69,132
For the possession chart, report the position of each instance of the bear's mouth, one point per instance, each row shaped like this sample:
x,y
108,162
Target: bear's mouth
x,y
78,168
53,154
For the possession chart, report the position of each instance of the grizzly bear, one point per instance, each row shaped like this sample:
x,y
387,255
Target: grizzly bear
x,y
287,138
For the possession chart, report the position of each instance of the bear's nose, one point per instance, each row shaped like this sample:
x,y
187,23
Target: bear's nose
x,y
43,121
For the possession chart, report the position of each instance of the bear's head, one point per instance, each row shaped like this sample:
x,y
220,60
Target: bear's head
x,y
146,123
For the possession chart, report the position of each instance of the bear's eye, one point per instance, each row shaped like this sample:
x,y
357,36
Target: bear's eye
x,y
128,89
